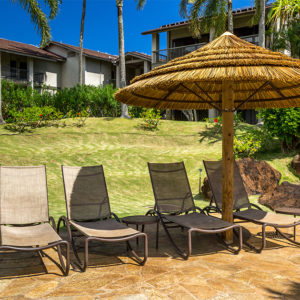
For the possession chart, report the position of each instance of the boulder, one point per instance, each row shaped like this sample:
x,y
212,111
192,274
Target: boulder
x,y
206,189
296,164
286,194
258,176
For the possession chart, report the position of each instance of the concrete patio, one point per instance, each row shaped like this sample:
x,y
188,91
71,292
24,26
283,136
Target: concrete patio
x,y
212,272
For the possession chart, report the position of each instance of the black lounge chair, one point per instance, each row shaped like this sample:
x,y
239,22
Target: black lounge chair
x,y
88,211
175,207
243,208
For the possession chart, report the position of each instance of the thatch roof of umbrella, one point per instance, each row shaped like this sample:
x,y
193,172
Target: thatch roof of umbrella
x,y
262,78
227,74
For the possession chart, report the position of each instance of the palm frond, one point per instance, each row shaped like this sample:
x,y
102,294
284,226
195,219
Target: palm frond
x,y
38,18
140,4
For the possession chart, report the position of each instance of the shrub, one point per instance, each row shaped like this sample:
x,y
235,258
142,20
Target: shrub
x,y
284,124
252,143
32,117
99,100
151,119
79,119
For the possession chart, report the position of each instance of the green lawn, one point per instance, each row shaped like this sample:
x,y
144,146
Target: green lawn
x,y
124,151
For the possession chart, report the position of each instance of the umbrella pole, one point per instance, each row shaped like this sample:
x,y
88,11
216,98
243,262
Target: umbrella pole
x,y
227,154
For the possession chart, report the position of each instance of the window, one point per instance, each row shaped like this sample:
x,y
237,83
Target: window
x,y
13,69
23,70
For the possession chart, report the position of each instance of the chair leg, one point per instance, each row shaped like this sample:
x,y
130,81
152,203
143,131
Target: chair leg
x,y
65,266
189,243
182,254
157,234
138,259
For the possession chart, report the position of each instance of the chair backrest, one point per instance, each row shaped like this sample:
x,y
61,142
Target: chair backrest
x,y
23,195
214,175
171,187
86,193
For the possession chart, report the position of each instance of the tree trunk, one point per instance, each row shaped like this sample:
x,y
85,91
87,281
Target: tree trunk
x,y
124,108
261,25
81,42
1,117
188,114
230,17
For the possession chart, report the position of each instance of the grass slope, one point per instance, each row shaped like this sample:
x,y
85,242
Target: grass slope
x,y
124,151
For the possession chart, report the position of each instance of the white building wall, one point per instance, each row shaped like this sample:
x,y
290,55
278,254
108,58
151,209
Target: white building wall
x,y
97,72
52,71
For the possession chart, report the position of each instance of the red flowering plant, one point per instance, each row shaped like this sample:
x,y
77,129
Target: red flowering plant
x,y
79,118
32,117
151,119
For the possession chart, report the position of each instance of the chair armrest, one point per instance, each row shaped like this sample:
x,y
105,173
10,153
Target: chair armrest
x,y
115,216
52,223
256,206
210,208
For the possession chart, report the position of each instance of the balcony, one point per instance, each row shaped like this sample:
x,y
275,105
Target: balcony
x,y
163,56
22,76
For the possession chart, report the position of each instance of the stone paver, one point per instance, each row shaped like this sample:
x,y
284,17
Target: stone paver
x,y
211,272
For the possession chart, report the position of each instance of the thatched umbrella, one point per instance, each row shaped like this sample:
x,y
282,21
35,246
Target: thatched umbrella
x,y
227,74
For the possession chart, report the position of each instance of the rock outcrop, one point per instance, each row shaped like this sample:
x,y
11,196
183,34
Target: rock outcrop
x,y
286,194
258,177
296,164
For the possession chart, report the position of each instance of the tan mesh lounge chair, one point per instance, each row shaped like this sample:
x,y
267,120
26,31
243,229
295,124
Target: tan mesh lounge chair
x,y
175,207
243,209
88,211
24,215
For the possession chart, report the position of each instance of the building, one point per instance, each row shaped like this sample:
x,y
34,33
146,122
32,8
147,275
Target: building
x,y
180,42
57,65
27,64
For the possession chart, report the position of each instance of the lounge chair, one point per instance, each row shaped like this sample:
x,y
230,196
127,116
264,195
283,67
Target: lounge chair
x,y
243,209
175,207
24,215
88,211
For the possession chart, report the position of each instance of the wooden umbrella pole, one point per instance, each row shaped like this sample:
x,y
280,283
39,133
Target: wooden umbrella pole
x,y
227,154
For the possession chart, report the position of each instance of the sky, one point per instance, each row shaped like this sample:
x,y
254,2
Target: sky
x,y
101,27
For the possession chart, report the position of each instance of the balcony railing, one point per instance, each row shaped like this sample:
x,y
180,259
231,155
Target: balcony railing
x,y
163,56
22,75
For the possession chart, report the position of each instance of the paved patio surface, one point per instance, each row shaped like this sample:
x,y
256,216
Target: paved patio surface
x,y
212,272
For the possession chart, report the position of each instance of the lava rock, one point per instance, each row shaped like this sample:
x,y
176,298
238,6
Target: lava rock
x,y
284,195
258,176
296,164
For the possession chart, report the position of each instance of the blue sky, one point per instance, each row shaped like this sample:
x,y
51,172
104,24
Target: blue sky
x,y
101,31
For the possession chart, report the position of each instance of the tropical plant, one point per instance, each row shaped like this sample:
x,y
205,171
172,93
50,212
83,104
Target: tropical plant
x,y
119,3
151,119
284,10
204,14
286,13
81,41
284,124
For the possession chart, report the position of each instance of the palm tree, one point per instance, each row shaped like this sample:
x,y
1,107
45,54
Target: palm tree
x,y
140,5
41,23
205,14
81,41
260,18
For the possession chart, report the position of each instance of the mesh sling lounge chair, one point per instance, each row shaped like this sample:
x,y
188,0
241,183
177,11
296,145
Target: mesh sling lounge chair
x,y
88,211
175,207
243,209
24,215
